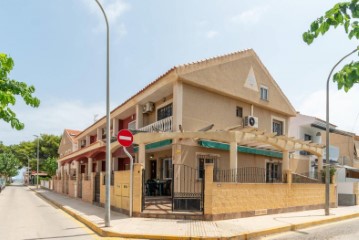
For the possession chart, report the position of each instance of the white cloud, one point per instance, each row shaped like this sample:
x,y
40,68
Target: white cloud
x,y
343,108
250,16
52,117
211,34
114,10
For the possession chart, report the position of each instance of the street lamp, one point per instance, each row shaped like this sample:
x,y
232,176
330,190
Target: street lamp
x,y
108,139
37,168
327,159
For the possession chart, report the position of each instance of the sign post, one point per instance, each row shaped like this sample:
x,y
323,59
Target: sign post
x,y
125,138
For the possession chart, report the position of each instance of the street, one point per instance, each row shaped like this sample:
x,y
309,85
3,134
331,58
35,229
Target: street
x,y
342,230
28,217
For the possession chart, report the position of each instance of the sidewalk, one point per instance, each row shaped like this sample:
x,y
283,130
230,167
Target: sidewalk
x,y
151,228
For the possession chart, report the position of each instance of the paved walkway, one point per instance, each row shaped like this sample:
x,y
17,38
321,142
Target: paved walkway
x,y
242,228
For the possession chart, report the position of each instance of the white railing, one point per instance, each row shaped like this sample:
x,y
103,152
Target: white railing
x,y
164,125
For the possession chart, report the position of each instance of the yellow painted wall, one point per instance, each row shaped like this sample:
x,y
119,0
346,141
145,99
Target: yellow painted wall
x,y
220,110
120,192
226,198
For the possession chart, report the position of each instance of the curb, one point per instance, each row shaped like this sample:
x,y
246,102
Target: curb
x,y
243,236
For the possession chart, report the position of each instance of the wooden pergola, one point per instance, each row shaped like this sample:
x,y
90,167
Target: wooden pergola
x,y
248,137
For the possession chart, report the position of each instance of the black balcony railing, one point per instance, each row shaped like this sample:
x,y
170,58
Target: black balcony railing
x,y
240,175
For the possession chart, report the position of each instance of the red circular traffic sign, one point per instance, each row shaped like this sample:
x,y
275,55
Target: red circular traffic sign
x,y
125,137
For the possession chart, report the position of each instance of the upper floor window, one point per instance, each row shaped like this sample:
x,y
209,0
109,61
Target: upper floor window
x,y
239,112
307,137
164,112
278,127
264,93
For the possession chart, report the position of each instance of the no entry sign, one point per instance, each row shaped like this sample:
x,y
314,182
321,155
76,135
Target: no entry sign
x,y
125,137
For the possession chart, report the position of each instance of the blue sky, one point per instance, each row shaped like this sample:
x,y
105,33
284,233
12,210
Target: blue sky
x,y
59,47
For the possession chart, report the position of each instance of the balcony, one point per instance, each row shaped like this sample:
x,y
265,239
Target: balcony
x,y
164,125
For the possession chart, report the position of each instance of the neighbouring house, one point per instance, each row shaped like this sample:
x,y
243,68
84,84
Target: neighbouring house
x,y
313,129
211,139
342,154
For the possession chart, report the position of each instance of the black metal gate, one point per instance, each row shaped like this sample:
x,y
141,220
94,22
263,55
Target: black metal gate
x,y
66,184
187,188
79,186
143,190
97,188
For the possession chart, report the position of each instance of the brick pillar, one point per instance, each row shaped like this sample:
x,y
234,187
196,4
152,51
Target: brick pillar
x,y
233,159
285,164
142,154
137,189
89,167
289,176
208,191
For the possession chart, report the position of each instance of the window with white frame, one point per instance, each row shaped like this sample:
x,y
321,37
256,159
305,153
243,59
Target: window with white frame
x,y
278,127
167,168
206,158
264,93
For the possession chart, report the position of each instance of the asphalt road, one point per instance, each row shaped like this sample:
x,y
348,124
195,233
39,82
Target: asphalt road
x,y
343,230
25,216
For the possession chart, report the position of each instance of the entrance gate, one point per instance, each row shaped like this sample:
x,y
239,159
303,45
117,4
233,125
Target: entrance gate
x,y
187,188
79,186
97,188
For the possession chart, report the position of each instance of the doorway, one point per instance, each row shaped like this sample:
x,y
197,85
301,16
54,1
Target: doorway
x,y
153,169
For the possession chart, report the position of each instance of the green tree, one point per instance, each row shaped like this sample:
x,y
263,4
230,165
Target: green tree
x,y
9,89
9,165
48,147
343,14
50,166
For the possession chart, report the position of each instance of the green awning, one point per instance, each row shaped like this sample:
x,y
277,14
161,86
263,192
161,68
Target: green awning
x,y
155,145
242,149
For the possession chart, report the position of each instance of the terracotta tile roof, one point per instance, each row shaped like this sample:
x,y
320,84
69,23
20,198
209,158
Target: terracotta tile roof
x,y
72,133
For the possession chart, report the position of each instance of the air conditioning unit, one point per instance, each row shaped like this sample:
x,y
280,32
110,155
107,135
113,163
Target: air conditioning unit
x,y
148,107
250,121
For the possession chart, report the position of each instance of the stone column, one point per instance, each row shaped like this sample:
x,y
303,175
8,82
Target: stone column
x,y
89,167
177,105
285,161
207,206
285,166
142,154
88,140
233,160
115,127
137,189
99,133
139,116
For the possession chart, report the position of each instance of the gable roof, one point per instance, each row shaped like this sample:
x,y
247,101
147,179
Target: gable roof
x,y
183,69
229,75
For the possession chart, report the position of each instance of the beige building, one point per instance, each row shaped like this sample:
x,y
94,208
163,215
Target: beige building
x,y
226,112
308,128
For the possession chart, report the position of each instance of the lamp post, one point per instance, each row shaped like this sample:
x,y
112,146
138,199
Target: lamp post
x,y
327,159
108,139
37,167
